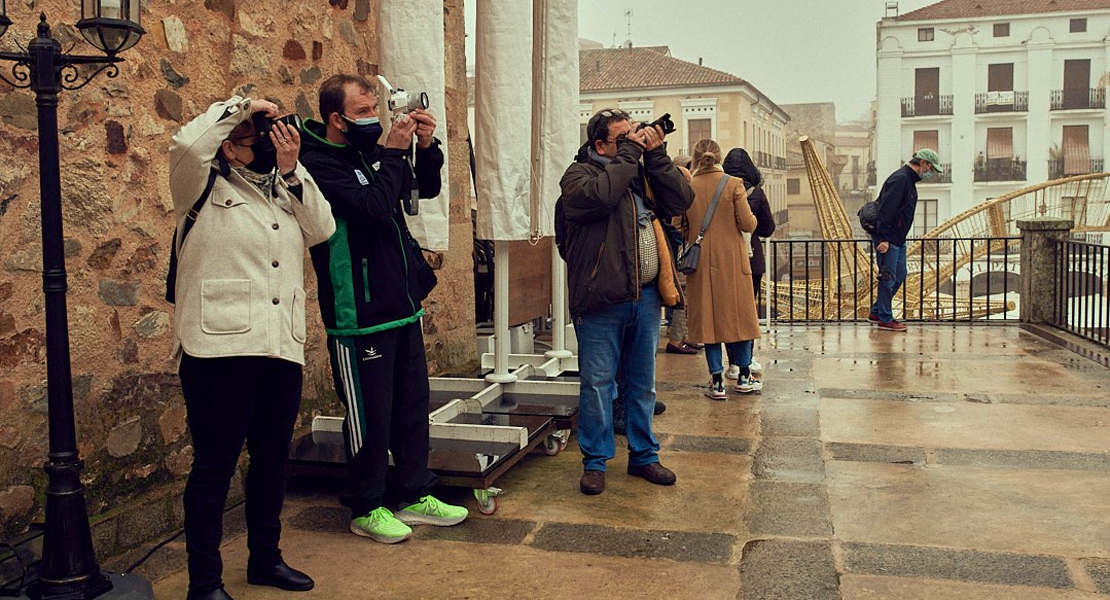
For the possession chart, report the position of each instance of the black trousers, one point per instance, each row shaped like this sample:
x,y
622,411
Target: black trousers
x,y
229,400
382,379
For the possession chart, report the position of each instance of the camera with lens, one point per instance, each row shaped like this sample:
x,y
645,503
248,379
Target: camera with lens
x,y
402,102
665,124
263,125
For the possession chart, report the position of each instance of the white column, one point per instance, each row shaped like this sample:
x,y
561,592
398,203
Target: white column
x,y
555,118
888,125
502,150
410,34
962,147
1040,83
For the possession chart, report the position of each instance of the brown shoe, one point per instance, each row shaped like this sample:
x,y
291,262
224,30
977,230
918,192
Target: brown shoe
x,y
592,483
653,472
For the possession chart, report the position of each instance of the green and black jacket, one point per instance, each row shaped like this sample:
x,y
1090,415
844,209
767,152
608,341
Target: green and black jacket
x,y
366,270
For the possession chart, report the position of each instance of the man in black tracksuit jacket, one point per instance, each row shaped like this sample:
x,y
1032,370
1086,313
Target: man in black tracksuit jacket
x,y
370,293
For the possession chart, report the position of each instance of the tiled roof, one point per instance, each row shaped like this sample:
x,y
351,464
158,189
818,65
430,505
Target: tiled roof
x,y
965,9
643,68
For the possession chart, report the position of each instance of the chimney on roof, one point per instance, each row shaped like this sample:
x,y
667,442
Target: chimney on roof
x,y
597,66
892,10
699,61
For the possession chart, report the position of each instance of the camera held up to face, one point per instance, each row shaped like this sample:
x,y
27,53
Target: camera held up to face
x,y
263,125
402,102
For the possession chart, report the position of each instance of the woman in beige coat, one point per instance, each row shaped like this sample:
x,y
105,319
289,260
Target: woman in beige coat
x,y
720,298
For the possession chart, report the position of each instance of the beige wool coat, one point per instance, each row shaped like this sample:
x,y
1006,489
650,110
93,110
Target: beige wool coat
x,y
720,298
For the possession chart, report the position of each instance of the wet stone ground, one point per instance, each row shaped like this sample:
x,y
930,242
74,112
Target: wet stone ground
x,y
950,462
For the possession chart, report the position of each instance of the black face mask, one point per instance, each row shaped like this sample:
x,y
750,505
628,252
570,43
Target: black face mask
x,y
265,158
363,134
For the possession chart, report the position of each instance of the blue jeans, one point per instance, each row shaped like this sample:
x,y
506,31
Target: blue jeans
x,y
739,354
621,338
892,272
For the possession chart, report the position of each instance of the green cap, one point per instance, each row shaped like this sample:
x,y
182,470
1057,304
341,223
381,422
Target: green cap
x,y
929,155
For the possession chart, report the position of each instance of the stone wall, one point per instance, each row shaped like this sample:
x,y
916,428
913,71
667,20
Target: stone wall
x,y
118,224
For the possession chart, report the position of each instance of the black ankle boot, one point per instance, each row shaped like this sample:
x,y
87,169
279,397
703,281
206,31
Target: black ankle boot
x,y
216,594
281,576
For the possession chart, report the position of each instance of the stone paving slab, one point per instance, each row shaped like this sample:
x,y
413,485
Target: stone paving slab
x,y
1098,569
347,567
960,565
966,425
545,489
788,570
1005,510
867,587
789,509
1024,459
795,459
878,453
636,543
727,445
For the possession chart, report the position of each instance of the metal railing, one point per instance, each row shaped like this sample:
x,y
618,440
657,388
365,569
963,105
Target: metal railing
x,y
1057,168
945,177
1000,169
1081,305
1001,102
1078,99
972,280
924,106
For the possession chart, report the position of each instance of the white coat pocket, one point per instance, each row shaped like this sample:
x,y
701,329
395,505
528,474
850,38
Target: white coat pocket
x,y
298,315
225,306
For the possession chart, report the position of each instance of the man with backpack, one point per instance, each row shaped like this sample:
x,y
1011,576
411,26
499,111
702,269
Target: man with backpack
x,y
897,202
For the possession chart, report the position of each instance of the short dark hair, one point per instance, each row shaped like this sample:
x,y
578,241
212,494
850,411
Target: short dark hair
x,y
333,93
598,127
917,161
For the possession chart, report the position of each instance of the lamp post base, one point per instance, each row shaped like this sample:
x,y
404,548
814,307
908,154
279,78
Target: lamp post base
x,y
123,587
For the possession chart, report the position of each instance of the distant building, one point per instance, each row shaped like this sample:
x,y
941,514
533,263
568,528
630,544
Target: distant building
x,y
704,103
1009,93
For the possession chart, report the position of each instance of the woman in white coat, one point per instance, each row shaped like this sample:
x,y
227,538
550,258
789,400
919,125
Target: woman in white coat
x,y
239,324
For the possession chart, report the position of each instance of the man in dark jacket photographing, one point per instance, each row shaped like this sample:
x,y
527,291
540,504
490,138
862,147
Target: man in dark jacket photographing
x,y
620,272
370,294
897,203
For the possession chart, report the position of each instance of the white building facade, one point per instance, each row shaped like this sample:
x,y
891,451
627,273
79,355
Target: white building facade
x,y
1007,100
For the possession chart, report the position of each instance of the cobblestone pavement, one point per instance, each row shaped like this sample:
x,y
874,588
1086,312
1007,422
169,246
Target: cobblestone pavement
x,y
950,462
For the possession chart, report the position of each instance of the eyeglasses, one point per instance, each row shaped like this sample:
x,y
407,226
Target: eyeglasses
x,y
615,112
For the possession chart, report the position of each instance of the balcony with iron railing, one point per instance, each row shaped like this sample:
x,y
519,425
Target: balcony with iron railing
x,y
1078,99
925,106
1001,102
999,169
945,177
1058,167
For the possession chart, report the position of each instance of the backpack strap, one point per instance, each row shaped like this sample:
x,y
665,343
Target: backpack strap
x,y
194,212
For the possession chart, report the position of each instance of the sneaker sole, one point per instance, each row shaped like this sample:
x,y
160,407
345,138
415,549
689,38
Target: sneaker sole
x,y
417,519
748,390
355,529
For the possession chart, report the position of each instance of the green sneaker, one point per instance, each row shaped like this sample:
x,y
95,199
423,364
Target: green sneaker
x,y
381,526
430,511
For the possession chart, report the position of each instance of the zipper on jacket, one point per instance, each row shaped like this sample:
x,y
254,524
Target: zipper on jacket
x,y
366,280
597,263
405,261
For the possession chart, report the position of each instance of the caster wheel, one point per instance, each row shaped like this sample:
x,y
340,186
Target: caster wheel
x,y
487,504
553,445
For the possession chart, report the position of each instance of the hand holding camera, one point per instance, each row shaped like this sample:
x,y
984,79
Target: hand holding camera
x,y
400,135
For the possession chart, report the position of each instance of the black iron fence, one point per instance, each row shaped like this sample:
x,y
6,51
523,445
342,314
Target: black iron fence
x,y
1081,305
1058,167
1000,169
1078,99
923,106
1001,102
949,280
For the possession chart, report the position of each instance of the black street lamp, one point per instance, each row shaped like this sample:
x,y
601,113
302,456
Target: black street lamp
x,y
68,570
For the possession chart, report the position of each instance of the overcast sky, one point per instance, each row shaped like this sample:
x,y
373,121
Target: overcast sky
x,y
792,50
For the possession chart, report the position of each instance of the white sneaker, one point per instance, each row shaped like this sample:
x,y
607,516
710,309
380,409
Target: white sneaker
x,y
747,385
732,372
717,390
755,367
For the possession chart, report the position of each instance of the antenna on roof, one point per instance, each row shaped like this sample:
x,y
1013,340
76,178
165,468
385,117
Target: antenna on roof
x,y
628,40
892,10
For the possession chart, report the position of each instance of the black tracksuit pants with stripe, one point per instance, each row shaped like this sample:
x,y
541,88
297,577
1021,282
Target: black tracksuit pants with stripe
x,y
382,379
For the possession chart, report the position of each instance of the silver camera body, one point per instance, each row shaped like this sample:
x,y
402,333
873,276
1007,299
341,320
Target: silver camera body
x,y
402,102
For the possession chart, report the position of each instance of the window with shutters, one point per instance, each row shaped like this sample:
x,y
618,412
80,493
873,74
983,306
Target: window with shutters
x,y
1000,77
1076,150
697,130
925,139
1000,143
1001,30
925,34
1078,25
924,216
